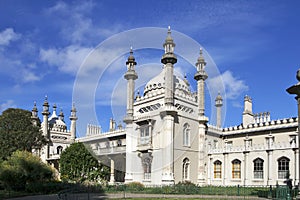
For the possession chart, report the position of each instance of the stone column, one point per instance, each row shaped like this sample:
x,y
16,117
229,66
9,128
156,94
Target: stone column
x,y
270,167
112,171
167,156
224,166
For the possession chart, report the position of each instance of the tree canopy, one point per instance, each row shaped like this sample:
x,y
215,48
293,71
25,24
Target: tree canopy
x,y
18,133
78,164
22,168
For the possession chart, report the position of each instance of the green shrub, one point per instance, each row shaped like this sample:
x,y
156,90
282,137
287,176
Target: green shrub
x,y
22,168
134,186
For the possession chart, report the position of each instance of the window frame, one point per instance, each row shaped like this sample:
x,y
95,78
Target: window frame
x,y
236,169
217,169
186,135
186,169
258,168
283,167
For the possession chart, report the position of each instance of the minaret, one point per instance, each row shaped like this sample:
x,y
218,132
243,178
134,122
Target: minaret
x,y
34,115
130,76
131,140
219,104
73,119
169,59
45,113
200,77
168,114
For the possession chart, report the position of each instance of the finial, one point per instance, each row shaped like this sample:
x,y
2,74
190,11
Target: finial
x,y
54,106
46,98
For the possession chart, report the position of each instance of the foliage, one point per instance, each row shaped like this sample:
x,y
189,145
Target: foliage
x,y
78,164
18,133
23,168
134,186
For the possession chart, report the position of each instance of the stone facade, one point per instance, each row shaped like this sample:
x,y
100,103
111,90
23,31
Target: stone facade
x,y
168,139
55,130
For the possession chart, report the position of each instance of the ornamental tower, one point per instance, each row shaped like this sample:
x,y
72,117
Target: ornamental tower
x,y
168,59
130,76
34,115
73,119
200,77
45,128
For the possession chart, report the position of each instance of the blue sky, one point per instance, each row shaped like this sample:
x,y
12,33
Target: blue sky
x,y
45,46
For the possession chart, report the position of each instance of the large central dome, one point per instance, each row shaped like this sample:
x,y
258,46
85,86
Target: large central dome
x,y
158,83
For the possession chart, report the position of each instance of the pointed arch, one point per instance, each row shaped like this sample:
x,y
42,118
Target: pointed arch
x,y
186,134
186,169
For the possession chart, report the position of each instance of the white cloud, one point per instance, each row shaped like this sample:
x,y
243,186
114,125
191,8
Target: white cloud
x,y
7,36
6,105
67,60
234,86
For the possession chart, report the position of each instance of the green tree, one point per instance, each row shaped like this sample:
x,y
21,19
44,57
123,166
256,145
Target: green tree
x,y
21,168
78,164
18,133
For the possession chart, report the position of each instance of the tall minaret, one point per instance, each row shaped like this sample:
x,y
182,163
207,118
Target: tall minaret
x,y
219,104
34,115
130,76
73,119
169,59
45,113
168,114
131,141
201,76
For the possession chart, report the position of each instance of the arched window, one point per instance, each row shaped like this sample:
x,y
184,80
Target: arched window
x,y
217,169
186,135
283,168
59,150
147,168
236,169
186,169
258,171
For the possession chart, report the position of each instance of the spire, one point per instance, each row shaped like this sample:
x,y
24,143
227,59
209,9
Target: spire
x,y
169,45
73,112
46,106
130,61
185,80
34,114
219,100
34,110
201,74
61,115
54,115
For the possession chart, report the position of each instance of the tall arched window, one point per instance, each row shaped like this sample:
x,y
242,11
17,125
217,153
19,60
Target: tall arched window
x,y
217,169
59,149
186,169
186,135
147,168
258,171
283,168
236,169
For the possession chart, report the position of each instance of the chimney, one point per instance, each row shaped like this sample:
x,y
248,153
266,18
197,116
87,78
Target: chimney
x,y
247,114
